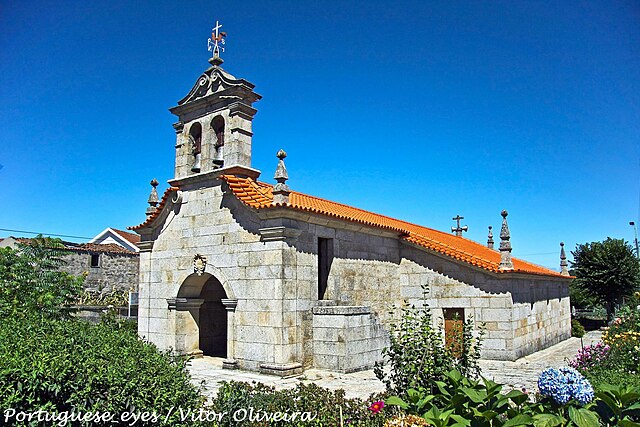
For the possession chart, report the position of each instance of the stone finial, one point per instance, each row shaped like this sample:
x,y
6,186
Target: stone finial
x,y
281,190
490,238
564,265
153,197
505,245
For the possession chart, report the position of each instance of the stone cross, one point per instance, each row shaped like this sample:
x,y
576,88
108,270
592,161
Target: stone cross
x,y
153,197
564,270
458,230
217,39
505,245
281,190
490,238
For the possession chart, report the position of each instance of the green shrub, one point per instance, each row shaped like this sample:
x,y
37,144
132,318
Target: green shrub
x,y
608,373
31,282
71,365
418,357
324,406
577,330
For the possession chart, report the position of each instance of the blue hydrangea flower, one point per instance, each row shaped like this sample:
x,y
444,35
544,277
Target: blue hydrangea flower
x,y
565,384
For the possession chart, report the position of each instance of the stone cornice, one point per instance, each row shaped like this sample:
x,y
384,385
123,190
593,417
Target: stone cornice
x,y
214,175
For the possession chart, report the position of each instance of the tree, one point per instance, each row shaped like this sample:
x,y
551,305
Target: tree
x,y
31,281
607,271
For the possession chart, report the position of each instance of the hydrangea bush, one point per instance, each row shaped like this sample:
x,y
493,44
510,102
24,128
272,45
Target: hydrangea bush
x,y
564,384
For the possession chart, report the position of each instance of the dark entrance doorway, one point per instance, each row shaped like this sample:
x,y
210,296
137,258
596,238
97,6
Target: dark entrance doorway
x,y
213,319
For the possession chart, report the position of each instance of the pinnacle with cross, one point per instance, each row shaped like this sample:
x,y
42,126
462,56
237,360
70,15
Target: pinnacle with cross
x,y
458,230
216,42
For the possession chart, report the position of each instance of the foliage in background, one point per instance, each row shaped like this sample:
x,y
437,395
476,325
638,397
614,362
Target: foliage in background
x,y
417,356
31,282
115,297
577,330
71,365
321,402
606,271
617,360
580,298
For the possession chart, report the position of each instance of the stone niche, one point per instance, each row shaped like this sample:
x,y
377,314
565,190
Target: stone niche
x,y
346,338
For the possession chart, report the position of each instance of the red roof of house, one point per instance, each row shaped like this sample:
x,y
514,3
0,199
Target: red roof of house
x,y
132,238
84,247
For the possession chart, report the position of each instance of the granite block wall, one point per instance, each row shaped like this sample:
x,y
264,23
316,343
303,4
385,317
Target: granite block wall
x,y
114,270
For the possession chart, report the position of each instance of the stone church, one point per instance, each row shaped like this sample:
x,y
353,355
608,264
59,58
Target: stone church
x,y
276,281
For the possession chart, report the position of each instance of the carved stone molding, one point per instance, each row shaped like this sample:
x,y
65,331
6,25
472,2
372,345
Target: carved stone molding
x,y
230,304
182,304
271,234
179,127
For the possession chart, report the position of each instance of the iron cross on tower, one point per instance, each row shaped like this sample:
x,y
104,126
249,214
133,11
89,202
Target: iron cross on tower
x,y
217,39
458,230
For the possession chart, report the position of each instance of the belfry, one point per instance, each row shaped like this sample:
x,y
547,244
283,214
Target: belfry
x,y
276,281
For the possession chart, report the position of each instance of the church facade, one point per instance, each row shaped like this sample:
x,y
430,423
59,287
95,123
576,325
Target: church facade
x,y
276,281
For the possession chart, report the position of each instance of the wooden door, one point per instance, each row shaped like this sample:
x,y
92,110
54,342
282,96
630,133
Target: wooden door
x,y
453,329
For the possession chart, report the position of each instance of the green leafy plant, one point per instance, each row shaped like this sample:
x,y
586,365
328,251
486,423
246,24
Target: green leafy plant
x,y
31,282
618,405
577,330
461,401
417,356
71,365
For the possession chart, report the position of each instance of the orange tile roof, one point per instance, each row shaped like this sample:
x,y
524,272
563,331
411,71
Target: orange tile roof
x,y
259,195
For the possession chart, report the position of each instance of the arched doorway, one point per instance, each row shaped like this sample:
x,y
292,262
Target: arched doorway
x,y
203,295
213,319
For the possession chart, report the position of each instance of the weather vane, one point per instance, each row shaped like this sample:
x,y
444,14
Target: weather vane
x,y
217,39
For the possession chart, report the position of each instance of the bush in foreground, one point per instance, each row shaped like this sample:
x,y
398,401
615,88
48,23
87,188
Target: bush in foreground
x,y
324,407
418,355
566,399
70,365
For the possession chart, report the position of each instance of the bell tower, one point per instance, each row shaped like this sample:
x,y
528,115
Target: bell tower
x,y
214,119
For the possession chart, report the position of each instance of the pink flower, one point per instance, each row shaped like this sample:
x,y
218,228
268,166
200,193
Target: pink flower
x,y
376,406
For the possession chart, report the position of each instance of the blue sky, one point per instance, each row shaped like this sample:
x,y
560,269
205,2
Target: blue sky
x,y
417,110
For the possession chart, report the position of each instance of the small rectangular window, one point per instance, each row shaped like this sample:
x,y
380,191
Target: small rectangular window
x,y
95,260
325,258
